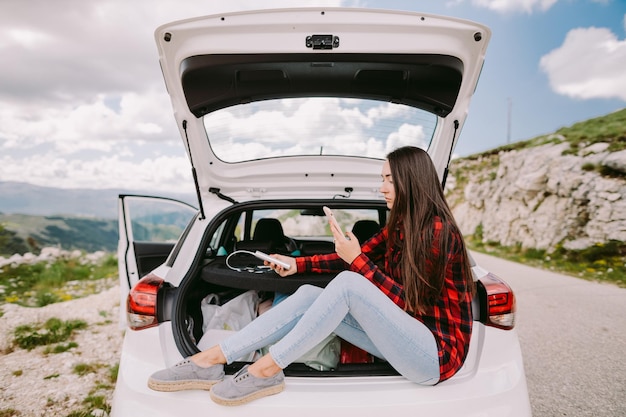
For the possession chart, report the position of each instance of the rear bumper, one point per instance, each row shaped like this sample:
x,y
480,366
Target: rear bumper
x,y
495,386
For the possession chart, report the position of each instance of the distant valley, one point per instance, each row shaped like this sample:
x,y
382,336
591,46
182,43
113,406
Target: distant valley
x,y
32,217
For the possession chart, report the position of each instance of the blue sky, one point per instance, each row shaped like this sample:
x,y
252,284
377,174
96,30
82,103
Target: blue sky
x,y
72,116
572,37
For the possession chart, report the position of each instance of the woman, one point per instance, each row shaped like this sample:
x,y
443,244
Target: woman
x,y
413,311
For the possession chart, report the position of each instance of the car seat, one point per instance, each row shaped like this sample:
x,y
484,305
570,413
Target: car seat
x,y
269,237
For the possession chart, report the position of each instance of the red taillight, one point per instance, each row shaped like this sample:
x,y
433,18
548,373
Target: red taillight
x,y
141,305
500,302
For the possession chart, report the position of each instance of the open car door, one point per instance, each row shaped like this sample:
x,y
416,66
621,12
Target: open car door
x,y
148,230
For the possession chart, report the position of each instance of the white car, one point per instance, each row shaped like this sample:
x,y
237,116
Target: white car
x,y
283,112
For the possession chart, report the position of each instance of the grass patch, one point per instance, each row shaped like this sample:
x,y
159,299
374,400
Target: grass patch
x,y
96,401
9,412
601,262
29,336
607,129
44,283
92,403
113,371
82,369
60,348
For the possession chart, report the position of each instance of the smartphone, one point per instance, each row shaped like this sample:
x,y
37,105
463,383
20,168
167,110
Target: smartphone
x,y
268,258
331,218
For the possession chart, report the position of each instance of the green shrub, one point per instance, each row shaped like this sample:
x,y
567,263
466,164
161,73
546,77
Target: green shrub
x,y
43,298
599,251
607,171
535,254
588,166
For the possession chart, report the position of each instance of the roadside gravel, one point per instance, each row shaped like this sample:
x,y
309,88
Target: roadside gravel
x,y
33,383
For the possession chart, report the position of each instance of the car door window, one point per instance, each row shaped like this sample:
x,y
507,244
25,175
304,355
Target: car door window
x,y
158,220
148,229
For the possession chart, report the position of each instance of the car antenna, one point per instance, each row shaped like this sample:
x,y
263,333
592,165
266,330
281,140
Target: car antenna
x,y
445,171
193,173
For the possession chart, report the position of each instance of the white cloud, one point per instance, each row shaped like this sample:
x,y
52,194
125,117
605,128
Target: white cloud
x,y
96,125
163,173
590,64
29,38
509,6
84,78
407,135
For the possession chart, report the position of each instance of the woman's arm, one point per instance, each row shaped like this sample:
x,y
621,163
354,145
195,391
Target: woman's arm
x,y
369,262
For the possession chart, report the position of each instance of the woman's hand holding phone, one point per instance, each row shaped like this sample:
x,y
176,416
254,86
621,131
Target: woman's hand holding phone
x,y
346,244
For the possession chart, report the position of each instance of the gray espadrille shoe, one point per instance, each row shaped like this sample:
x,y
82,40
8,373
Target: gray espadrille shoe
x,y
244,387
186,375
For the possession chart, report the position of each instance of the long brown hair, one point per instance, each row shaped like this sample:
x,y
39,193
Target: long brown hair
x,y
419,198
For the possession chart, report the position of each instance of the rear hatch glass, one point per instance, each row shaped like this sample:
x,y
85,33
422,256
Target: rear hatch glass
x,y
316,126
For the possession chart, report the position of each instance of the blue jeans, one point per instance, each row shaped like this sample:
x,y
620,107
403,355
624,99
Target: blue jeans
x,y
354,309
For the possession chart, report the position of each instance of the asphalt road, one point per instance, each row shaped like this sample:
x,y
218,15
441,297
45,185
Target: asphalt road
x,y
573,338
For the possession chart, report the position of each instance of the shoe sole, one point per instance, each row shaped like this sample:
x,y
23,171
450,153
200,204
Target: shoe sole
x,y
172,386
250,397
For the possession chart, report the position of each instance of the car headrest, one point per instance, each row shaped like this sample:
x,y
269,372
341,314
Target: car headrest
x,y
269,229
364,229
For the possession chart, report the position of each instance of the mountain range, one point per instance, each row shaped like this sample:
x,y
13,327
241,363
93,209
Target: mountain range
x,y
25,198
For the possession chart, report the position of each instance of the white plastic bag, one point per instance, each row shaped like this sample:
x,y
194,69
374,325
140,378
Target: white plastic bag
x,y
220,321
233,315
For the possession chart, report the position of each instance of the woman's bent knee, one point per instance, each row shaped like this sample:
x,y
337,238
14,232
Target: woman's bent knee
x,y
348,279
349,282
307,291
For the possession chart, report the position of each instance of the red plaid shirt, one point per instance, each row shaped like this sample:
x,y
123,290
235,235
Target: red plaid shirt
x,y
450,319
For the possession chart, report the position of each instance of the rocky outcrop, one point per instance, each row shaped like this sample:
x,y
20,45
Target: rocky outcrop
x,y
542,197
